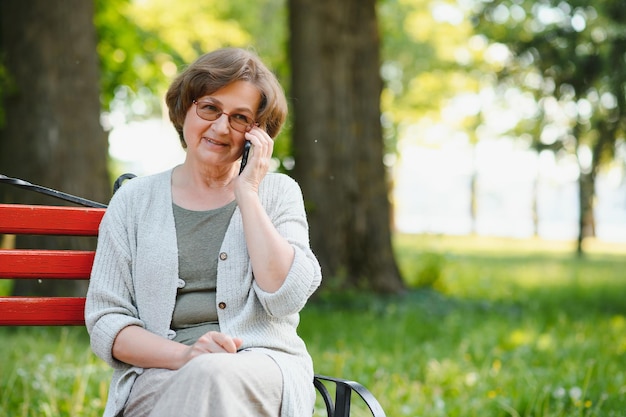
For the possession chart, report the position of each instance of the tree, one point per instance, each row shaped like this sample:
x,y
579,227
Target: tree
x,y
338,140
52,134
569,54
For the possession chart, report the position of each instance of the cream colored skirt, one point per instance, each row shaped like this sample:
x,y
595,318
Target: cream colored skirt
x,y
244,384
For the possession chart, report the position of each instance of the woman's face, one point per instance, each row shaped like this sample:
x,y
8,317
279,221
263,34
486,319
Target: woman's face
x,y
217,142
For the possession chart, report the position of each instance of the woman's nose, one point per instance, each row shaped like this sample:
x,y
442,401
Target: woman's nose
x,y
222,123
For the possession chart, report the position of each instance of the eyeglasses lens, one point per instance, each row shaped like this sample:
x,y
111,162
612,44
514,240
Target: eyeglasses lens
x,y
209,111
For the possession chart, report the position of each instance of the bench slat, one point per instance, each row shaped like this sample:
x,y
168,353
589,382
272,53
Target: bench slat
x,y
42,311
45,264
49,220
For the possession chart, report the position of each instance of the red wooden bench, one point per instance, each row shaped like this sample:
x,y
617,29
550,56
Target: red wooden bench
x,y
40,264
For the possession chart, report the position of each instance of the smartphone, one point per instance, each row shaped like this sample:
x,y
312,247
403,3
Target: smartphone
x,y
244,157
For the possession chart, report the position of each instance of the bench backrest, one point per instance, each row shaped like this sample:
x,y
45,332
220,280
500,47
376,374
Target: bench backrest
x,y
43,264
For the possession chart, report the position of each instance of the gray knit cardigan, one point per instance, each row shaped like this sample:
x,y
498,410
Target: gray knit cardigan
x,y
135,278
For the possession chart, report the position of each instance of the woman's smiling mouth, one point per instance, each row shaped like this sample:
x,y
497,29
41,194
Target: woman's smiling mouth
x,y
214,142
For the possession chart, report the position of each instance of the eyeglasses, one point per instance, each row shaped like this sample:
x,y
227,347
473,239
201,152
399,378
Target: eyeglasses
x,y
209,111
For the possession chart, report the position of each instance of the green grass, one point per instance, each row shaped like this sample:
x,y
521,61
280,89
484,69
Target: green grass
x,y
502,328
50,371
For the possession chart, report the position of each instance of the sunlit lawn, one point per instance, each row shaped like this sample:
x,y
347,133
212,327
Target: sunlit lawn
x,y
509,328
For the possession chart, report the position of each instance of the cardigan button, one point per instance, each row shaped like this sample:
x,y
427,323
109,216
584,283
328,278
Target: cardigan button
x,y
223,256
222,305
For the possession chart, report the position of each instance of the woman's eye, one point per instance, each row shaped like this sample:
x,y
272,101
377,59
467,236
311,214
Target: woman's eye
x,y
242,118
210,108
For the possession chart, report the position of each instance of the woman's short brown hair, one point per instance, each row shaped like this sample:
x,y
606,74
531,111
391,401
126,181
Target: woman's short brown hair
x,y
217,69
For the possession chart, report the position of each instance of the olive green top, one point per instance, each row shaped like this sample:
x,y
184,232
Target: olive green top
x,y
200,235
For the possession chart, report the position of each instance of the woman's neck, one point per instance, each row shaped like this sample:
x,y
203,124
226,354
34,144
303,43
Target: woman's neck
x,y
195,191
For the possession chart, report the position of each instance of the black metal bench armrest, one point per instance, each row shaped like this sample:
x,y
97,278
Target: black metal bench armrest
x,y
341,406
118,182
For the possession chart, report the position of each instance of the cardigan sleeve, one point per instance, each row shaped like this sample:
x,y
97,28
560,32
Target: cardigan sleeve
x,y
110,307
286,209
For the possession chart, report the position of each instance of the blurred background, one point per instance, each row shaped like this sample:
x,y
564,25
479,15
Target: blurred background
x,y
462,118
478,125
520,192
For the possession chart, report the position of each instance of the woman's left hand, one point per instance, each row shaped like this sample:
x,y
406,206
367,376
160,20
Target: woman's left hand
x,y
270,253
259,160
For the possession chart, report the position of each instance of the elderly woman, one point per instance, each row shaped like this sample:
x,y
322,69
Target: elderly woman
x,y
201,271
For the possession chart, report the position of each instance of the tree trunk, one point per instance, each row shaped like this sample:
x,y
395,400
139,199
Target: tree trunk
x,y
473,204
586,192
52,134
338,141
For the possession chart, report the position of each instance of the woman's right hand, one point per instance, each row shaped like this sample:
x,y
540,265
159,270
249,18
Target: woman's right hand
x,y
213,342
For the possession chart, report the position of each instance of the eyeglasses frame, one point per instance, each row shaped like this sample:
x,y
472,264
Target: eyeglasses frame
x,y
229,115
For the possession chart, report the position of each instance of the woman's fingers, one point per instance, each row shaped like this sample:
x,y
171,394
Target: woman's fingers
x,y
258,162
224,342
238,342
216,342
263,145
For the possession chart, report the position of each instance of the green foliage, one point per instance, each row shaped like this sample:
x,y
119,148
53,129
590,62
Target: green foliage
x,y
134,60
519,328
427,60
6,286
569,54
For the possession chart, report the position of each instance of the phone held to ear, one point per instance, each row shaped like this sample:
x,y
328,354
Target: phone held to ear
x,y
244,157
